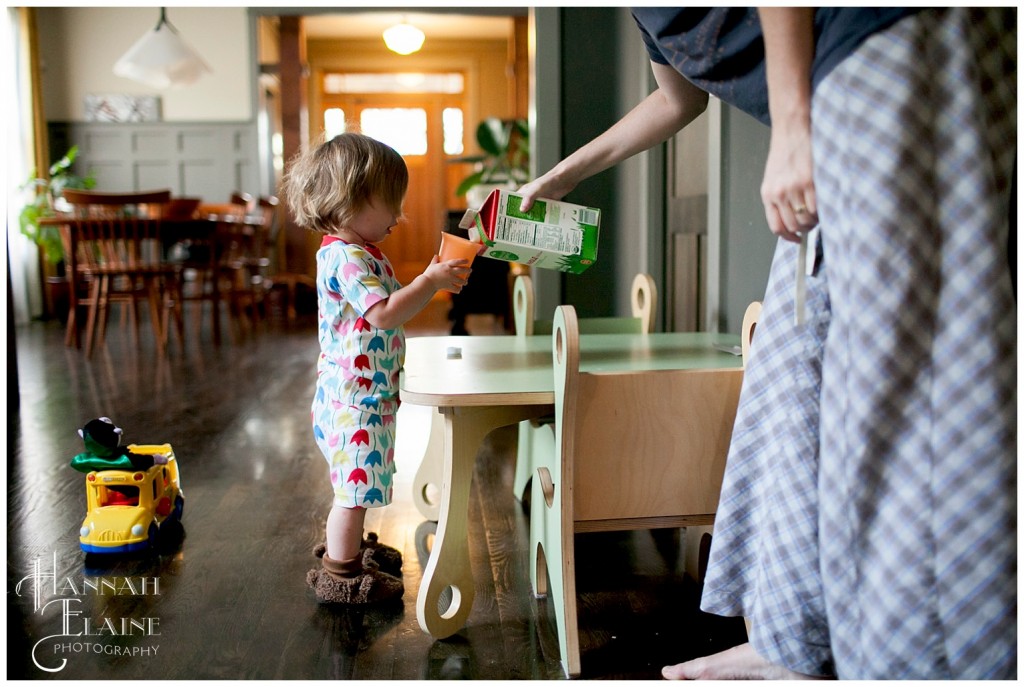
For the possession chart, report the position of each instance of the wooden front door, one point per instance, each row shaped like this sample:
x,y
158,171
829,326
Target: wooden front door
x,y
412,124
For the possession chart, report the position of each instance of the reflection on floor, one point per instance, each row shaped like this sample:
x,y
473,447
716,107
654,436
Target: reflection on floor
x,y
228,600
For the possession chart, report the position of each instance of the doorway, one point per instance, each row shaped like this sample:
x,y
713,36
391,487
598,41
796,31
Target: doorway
x,y
427,129
487,46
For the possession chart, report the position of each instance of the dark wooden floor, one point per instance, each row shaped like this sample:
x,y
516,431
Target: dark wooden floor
x,y
232,601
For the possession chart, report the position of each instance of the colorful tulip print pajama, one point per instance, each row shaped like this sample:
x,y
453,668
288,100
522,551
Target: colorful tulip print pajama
x,y
357,374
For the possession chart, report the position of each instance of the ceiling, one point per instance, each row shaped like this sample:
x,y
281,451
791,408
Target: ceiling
x,y
433,25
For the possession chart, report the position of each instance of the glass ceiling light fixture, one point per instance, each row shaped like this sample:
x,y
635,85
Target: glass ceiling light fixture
x,y
161,58
403,38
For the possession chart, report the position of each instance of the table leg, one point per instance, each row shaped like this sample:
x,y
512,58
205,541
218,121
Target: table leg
x,y
448,567
430,472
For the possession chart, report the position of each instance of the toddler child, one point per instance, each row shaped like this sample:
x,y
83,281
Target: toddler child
x,y
350,189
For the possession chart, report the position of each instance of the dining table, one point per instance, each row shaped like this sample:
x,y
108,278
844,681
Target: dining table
x,y
476,384
201,228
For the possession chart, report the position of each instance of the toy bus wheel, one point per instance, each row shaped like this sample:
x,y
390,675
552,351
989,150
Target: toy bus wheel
x,y
153,533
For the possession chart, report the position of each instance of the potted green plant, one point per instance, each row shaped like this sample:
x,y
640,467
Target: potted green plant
x,y
505,161
41,204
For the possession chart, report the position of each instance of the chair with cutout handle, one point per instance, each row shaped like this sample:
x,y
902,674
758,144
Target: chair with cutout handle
x,y
533,446
679,424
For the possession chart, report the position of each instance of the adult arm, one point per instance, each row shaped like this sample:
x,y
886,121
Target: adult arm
x,y
787,190
674,104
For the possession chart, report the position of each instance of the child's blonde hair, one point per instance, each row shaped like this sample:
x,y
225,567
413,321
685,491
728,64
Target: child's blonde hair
x,y
328,184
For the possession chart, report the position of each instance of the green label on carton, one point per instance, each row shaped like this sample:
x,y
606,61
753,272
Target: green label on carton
x,y
503,255
537,212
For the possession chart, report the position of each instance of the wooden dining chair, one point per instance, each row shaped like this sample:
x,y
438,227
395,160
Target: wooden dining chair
x,y
113,252
243,199
532,449
217,267
235,208
634,450
282,277
245,265
259,259
237,269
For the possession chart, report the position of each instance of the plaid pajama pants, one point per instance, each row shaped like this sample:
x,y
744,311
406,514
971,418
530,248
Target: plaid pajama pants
x,y
867,523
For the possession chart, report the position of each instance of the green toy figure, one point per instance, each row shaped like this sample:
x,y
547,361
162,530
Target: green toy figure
x,y
104,452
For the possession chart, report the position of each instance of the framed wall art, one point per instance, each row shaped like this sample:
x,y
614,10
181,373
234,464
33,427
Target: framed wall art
x,y
122,107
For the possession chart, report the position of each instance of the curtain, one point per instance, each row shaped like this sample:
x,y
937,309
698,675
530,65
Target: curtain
x,y
26,151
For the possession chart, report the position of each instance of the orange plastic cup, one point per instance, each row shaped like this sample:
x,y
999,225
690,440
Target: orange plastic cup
x,y
454,247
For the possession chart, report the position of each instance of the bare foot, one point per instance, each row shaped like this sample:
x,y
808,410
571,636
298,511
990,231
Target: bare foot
x,y
738,663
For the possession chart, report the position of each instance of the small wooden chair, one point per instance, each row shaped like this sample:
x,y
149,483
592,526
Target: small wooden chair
x,y
698,538
531,449
113,244
634,450
643,299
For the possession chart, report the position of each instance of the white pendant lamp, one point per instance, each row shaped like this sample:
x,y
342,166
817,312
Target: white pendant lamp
x,y
403,38
161,58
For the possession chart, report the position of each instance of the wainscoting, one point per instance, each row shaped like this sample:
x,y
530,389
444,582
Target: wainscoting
x,y
208,160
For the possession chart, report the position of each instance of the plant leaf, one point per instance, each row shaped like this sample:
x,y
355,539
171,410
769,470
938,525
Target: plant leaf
x,y
492,135
506,157
65,162
468,183
44,190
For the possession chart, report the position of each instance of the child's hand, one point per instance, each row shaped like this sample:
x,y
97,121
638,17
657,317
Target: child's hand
x,y
450,274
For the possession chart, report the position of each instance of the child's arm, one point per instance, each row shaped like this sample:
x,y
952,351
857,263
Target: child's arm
x,y
402,305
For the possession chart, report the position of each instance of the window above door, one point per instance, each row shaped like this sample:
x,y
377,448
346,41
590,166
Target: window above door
x,y
394,82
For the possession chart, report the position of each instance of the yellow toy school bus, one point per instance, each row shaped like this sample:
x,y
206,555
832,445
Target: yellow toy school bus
x,y
127,508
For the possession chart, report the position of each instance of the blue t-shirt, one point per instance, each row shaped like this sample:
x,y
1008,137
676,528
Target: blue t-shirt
x,y
721,50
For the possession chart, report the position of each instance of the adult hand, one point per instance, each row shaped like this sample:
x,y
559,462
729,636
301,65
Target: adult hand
x,y
787,190
550,185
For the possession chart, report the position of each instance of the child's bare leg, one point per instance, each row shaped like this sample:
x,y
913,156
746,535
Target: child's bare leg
x,y
345,532
738,663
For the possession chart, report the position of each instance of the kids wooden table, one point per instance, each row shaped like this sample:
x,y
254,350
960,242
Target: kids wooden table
x,y
480,383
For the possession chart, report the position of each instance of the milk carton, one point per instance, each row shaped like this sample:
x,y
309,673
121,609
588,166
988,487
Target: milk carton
x,y
553,235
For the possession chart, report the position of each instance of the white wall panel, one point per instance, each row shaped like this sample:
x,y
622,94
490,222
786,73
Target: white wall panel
x,y
210,161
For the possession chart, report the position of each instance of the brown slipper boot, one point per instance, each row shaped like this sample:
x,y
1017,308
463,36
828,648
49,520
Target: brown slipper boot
x,y
387,557
353,582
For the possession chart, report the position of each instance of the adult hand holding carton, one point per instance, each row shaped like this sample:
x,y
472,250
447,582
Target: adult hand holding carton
x,y
552,234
